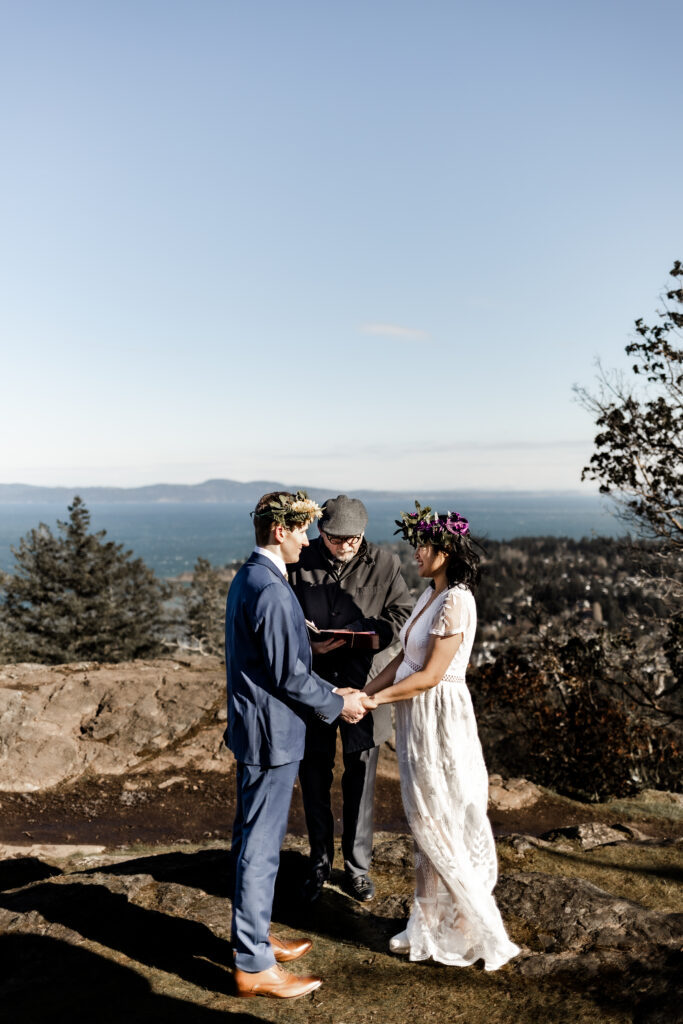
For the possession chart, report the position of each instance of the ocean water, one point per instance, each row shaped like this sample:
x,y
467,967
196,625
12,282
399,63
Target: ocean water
x,y
170,537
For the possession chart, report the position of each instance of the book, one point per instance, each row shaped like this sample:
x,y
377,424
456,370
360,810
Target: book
x,y
362,640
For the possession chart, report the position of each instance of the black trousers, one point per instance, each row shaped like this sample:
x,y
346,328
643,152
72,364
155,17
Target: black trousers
x,y
358,795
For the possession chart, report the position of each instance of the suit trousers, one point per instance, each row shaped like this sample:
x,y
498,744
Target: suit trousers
x,y
358,795
263,799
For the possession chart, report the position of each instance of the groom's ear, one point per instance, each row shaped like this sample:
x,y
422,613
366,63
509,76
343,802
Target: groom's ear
x,y
277,533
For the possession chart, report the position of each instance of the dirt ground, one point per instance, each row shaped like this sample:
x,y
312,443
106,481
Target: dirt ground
x,y
197,806
134,956
141,937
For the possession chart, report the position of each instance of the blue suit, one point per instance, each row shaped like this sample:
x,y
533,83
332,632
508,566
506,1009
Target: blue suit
x,y
271,689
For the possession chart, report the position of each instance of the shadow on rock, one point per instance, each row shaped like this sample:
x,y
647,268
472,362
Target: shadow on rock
x,y
334,914
670,872
159,940
207,870
47,981
24,870
647,988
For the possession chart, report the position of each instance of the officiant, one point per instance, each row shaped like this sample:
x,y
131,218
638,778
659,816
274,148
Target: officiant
x,y
344,582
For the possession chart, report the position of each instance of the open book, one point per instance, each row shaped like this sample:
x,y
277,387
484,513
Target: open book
x,y
363,640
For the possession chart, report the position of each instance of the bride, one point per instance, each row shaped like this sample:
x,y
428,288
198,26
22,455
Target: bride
x,y
444,783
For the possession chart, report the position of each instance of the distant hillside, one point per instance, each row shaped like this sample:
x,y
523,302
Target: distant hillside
x,y
221,491
218,492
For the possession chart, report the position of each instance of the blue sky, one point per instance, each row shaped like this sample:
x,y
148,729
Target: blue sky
x,y
359,244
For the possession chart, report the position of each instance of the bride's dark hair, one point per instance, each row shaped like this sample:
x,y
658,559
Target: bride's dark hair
x,y
463,563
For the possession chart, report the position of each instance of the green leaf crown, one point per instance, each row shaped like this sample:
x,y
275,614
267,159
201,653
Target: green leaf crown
x,y
290,510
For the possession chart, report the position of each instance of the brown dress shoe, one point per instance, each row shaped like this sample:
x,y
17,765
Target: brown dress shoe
x,y
275,983
285,950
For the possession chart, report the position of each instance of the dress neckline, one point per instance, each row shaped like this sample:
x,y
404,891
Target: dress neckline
x,y
431,600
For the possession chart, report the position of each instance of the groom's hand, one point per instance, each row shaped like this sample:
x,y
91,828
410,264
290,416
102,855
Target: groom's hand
x,y
353,709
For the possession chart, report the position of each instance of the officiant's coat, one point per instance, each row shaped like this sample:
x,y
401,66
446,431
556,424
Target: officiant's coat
x,y
366,593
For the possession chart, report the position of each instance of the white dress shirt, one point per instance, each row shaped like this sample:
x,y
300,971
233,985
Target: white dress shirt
x,y
277,561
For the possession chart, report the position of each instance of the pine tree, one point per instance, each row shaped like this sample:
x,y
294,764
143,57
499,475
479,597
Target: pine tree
x,y
638,454
638,459
75,596
204,604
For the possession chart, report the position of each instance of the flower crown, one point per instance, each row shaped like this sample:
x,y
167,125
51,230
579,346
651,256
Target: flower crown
x,y
427,527
289,510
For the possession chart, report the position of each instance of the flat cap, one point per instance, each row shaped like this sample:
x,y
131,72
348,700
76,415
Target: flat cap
x,y
343,516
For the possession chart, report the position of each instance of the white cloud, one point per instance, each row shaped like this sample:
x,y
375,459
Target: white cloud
x,y
395,331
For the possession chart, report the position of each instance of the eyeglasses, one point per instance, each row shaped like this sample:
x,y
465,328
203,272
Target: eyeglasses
x,y
343,540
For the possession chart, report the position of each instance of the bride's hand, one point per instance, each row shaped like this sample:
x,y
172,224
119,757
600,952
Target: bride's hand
x,y
369,703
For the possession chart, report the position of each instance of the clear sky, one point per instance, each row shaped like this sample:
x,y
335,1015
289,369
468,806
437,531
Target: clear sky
x,y
365,243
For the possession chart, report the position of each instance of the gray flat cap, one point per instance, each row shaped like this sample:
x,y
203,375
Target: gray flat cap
x,y
344,516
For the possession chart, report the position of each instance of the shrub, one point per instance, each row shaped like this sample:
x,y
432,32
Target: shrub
x,y
559,712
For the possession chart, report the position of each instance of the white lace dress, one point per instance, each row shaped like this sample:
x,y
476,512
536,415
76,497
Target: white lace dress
x,y
444,785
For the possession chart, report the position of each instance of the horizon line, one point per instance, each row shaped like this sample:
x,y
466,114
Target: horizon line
x,y
436,489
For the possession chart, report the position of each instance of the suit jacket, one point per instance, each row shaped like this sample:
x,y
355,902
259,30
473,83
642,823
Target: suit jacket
x,y
271,685
368,592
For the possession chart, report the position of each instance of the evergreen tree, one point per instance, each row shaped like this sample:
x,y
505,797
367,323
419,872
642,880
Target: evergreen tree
x,y
204,605
75,596
639,450
638,458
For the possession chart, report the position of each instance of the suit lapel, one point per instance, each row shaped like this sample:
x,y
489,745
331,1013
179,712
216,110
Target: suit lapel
x,y
256,559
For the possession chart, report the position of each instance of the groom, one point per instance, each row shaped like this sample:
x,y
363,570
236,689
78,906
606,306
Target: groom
x,y
271,687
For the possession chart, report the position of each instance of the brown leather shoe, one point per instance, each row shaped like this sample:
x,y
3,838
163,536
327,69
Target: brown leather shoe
x,y
285,950
275,983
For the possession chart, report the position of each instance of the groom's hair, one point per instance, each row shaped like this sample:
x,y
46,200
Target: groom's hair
x,y
262,520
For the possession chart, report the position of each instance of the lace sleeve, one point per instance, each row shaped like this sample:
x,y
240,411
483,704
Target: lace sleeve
x,y
454,616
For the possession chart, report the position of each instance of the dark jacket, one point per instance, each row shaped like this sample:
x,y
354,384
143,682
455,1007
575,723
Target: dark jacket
x,y
368,592
271,687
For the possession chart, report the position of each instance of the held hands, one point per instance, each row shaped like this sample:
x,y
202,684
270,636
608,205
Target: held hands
x,y
353,709
356,704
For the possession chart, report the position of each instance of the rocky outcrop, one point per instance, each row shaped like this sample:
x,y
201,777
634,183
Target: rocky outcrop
x,y
57,723
512,794
592,834
88,931
581,934
572,917
157,928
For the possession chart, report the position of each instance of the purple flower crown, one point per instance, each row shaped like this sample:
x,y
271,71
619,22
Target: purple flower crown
x,y
427,527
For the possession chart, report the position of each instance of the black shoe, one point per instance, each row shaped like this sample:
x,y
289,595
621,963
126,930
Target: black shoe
x,y
360,887
313,886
